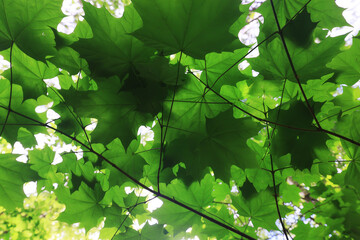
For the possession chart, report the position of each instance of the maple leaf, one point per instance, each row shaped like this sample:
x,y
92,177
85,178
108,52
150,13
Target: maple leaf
x,y
223,139
228,144
28,24
185,25
12,194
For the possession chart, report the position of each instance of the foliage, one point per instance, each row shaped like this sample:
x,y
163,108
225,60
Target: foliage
x,y
35,220
229,152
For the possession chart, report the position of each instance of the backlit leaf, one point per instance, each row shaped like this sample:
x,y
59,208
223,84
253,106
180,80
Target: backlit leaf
x,y
194,27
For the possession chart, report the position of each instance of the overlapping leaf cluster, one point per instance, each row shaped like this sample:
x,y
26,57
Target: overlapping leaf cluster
x,y
35,220
233,153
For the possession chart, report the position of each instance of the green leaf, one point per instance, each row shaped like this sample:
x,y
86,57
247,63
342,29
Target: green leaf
x,y
111,50
160,70
325,12
130,234
68,59
304,146
290,193
114,194
285,10
153,232
215,230
26,138
260,178
27,117
178,217
30,73
28,24
346,64
261,209
184,26
41,161
114,218
300,30
128,161
13,175
147,233
352,175
251,97
309,63
348,126
238,175
224,133
216,68
69,164
221,191
348,100
350,225
320,90
192,105
225,137
198,195
115,111
305,231
82,206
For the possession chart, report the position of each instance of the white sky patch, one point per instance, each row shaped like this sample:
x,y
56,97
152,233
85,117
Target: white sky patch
x,y
94,235
52,115
153,221
356,85
154,204
4,64
352,16
352,13
137,226
19,149
43,140
146,134
249,32
22,158
74,11
43,108
243,65
195,238
128,190
30,188
53,82
92,125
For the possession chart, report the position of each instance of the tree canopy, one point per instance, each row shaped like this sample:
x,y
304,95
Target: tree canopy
x,y
156,105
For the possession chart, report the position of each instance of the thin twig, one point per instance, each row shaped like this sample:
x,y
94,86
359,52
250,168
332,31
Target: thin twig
x,y
240,59
167,124
292,65
272,167
77,118
156,193
336,114
130,209
11,90
252,115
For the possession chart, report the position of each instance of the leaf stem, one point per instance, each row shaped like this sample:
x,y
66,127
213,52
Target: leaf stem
x,y
77,118
252,115
167,124
156,193
11,90
272,165
238,61
292,65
